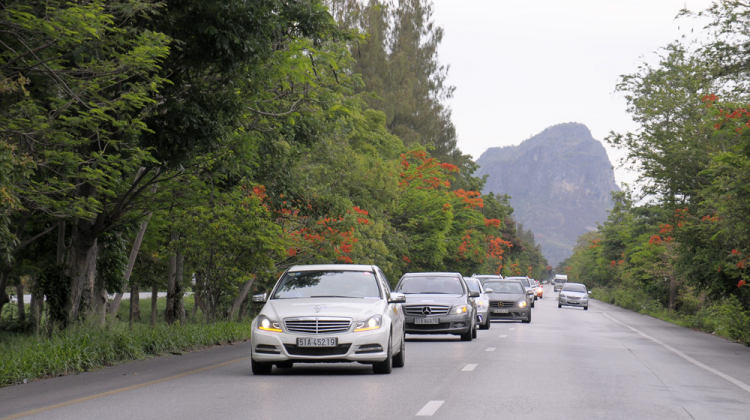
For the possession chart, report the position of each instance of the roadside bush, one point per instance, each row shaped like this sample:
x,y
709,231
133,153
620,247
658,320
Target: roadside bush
x,y
729,319
83,348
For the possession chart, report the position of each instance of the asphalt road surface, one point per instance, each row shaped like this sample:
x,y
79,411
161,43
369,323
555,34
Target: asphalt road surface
x,y
604,363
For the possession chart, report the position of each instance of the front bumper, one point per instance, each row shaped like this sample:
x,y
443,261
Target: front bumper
x,y
448,324
364,347
568,302
514,313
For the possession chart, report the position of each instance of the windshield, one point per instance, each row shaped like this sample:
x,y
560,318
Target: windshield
x,y
508,287
344,284
474,285
574,288
444,285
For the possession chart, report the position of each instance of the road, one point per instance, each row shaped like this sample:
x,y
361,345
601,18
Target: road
x,y
604,363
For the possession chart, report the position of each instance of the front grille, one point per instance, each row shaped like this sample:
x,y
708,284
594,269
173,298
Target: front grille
x,y
424,310
317,351
505,303
318,325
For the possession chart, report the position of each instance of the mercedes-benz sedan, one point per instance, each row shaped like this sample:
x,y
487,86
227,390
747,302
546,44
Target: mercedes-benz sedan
x,y
573,294
329,313
439,303
508,300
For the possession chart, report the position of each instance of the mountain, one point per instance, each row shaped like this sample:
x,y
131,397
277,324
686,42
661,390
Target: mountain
x,y
559,182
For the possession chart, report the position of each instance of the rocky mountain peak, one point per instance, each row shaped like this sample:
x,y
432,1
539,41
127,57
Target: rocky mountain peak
x,y
559,181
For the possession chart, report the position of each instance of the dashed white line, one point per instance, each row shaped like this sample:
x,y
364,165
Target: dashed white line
x,y
469,367
504,336
511,329
737,382
490,349
430,408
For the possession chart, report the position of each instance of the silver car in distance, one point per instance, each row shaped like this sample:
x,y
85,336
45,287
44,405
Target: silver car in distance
x,y
329,313
573,294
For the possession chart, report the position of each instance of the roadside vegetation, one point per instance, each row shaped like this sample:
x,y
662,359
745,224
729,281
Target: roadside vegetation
x,y
205,147
679,250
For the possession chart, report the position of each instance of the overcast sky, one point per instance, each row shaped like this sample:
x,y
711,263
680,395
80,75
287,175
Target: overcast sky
x,y
522,66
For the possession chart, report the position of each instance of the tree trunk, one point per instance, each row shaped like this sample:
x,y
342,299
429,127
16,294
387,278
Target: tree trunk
x,y
154,298
115,305
81,266
672,291
135,301
241,298
198,295
36,309
100,301
169,314
4,298
179,291
21,304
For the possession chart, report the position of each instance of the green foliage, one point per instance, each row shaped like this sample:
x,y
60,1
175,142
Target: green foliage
x,y
81,349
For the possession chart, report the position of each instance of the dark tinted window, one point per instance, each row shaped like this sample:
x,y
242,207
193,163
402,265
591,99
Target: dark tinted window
x,y
574,288
305,284
430,284
509,287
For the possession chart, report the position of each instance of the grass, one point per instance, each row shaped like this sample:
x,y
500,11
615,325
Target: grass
x,y
85,347
726,318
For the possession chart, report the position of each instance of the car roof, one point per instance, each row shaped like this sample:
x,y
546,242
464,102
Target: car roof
x,y
333,267
432,274
574,284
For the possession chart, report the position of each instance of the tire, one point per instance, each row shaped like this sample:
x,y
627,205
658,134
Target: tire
x,y
586,308
467,336
532,303
400,359
559,306
260,368
527,320
474,332
487,323
386,366
288,364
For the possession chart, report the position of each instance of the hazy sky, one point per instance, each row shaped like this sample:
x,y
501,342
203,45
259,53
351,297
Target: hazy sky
x,y
521,66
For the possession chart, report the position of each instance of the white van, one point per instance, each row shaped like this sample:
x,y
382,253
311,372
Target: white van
x,y
560,280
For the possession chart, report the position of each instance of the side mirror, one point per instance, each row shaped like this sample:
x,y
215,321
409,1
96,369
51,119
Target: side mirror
x,y
261,298
397,298
474,293
488,291
529,292
589,291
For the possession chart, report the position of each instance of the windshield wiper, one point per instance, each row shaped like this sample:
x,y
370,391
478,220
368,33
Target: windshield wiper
x,y
337,296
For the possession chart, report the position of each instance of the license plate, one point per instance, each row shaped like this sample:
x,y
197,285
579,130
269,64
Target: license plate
x,y
425,320
499,311
317,342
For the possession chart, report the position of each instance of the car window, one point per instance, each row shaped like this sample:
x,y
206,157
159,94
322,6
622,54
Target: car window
x,y
385,284
306,284
574,288
474,285
431,284
508,287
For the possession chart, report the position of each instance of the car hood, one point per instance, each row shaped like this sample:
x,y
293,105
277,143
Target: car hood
x,y
434,299
506,296
356,308
573,294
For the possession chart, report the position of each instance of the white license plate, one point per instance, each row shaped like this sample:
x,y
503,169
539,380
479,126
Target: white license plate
x,y
318,342
499,311
425,320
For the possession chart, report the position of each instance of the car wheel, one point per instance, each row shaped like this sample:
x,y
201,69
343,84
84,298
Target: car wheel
x,y
487,323
559,306
532,303
474,332
386,366
467,336
260,368
586,308
527,320
400,359
287,364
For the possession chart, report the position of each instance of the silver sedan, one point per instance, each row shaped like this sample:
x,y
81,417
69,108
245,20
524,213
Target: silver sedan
x,y
573,294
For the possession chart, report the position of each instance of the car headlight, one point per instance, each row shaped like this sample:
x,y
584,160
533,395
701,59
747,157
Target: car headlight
x,y
266,324
372,323
480,304
522,303
458,310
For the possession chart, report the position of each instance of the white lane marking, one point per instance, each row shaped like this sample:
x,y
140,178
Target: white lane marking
x,y
504,336
430,408
739,383
490,349
469,367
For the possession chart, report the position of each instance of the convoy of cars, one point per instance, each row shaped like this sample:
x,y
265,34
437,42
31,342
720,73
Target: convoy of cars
x,y
348,313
